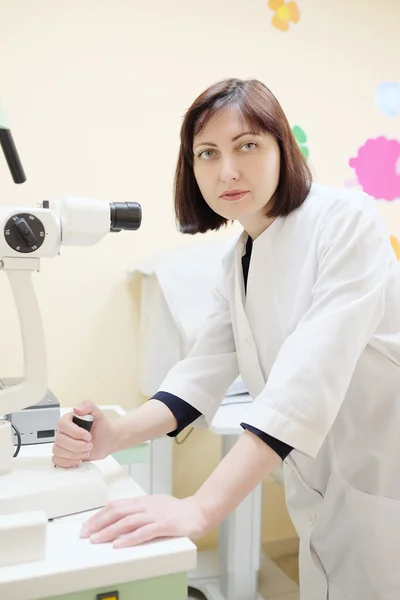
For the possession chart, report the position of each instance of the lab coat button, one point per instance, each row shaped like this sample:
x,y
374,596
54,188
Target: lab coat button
x,y
312,517
248,340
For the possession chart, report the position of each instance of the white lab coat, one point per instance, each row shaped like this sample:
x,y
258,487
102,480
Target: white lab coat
x,y
317,342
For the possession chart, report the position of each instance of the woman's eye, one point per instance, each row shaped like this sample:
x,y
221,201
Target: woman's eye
x,y
206,154
248,146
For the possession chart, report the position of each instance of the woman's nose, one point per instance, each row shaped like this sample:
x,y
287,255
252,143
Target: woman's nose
x,y
229,171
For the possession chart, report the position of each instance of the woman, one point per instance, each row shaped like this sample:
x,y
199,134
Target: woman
x,y
312,324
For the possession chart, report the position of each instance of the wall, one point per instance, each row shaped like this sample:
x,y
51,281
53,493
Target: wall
x,y
95,91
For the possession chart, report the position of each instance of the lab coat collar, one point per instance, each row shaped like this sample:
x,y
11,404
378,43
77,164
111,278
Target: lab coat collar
x,y
250,362
266,234
241,244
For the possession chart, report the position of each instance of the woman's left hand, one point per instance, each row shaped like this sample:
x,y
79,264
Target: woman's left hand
x,y
133,521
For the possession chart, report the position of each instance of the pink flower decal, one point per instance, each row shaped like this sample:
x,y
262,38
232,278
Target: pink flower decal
x,y
377,168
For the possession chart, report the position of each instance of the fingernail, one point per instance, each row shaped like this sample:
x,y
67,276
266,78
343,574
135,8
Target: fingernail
x,y
95,537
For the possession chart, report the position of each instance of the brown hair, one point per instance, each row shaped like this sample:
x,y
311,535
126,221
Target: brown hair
x,y
259,109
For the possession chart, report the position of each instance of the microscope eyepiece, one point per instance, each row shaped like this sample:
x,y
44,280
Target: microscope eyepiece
x,y
125,216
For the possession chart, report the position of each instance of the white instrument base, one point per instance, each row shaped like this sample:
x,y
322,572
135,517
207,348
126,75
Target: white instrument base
x,y
35,484
15,531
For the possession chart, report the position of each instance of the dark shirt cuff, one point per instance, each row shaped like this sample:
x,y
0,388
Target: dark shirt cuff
x,y
183,412
282,449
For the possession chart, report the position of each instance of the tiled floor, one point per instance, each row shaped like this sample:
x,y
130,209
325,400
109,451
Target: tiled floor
x,y
289,564
274,584
290,596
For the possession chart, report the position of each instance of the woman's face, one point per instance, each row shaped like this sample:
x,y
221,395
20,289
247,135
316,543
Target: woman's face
x,y
237,171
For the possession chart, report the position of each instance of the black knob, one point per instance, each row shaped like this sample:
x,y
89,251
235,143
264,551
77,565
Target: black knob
x,y
24,233
84,421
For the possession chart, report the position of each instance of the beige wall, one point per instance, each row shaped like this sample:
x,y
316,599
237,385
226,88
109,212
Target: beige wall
x,y
95,91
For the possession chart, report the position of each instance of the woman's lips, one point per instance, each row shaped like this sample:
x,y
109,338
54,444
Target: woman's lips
x,y
234,195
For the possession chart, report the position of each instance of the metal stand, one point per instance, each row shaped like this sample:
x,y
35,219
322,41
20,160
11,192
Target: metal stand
x,y
239,550
231,573
240,542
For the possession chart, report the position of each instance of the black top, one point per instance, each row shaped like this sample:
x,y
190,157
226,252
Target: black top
x,y
185,414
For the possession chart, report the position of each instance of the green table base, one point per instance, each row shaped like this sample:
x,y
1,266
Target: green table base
x,y
138,454
169,587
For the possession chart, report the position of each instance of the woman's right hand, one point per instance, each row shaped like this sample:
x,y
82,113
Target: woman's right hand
x,y
73,444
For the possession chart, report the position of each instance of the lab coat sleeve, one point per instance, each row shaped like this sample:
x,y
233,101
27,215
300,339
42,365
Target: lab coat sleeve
x,y
202,378
313,369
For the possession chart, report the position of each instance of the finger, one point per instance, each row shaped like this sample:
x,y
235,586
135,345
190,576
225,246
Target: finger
x,y
88,408
62,453
121,527
140,536
67,427
71,444
112,512
65,463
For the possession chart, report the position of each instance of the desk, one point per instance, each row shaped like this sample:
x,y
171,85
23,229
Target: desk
x,y
75,569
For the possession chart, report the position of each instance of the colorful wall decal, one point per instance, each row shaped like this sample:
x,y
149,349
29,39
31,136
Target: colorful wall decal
x,y
301,139
285,12
388,98
395,245
376,166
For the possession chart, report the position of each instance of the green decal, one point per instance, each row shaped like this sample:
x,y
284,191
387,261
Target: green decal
x,y
301,139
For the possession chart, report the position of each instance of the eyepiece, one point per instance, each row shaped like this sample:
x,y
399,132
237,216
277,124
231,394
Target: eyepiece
x,y
125,216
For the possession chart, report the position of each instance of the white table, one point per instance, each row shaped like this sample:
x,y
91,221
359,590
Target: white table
x,y
75,569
